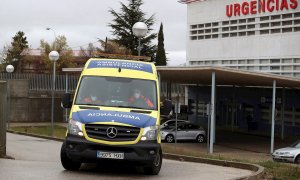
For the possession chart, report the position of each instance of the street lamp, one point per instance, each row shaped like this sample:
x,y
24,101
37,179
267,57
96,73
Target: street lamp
x,y
140,30
10,69
53,56
48,29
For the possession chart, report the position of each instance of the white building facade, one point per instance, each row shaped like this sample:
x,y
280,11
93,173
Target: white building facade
x,y
256,35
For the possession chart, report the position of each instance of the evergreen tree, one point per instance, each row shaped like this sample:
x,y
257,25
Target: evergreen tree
x,y
122,27
161,59
14,53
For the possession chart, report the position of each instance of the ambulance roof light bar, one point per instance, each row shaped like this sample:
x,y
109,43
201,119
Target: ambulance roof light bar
x,y
189,1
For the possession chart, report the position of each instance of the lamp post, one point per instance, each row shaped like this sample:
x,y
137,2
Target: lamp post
x,y
9,69
48,29
140,30
53,56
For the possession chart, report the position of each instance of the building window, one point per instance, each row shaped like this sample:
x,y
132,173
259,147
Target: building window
x,y
193,26
233,34
287,23
275,68
200,25
264,68
297,22
273,24
250,20
275,61
233,28
225,35
207,30
214,36
287,30
242,33
241,21
264,61
264,25
296,67
264,31
265,18
250,33
194,38
233,22
225,29
274,31
286,61
200,37
200,31
208,37
215,24
275,17
286,16
287,68
297,14
215,30
208,25
296,29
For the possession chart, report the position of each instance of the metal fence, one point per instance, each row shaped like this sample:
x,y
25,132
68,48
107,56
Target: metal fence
x,y
43,82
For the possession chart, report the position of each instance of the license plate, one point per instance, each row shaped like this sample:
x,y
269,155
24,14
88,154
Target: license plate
x,y
110,155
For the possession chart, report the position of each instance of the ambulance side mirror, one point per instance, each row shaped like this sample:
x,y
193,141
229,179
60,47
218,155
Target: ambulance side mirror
x,y
66,101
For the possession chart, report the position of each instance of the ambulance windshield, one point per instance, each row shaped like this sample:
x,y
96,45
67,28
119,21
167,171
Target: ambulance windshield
x,y
117,92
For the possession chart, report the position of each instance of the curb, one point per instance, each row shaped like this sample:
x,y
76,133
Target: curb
x,y
257,170
37,136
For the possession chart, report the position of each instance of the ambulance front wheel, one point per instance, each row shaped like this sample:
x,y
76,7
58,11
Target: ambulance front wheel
x,y
66,162
155,166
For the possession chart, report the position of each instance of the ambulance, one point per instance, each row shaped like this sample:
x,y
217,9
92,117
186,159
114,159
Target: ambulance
x,y
114,116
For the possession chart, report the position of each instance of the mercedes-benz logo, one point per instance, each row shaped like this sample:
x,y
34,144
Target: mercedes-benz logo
x,y
111,132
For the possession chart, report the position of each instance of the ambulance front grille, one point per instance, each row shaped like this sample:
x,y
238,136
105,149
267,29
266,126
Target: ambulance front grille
x,y
107,132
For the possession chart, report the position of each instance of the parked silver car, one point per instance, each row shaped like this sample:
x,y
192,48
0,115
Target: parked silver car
x,y
185,131
288,154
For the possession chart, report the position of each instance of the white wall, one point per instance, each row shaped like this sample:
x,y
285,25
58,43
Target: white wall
x,y
281,45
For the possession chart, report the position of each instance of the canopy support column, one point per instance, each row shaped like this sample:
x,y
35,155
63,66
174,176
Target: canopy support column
x,y
212,114
273,116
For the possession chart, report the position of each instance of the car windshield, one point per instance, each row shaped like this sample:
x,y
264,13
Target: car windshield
x,y
296,144
117,92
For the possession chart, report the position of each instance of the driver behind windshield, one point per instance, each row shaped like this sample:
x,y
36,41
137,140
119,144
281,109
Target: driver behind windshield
x,y
139,100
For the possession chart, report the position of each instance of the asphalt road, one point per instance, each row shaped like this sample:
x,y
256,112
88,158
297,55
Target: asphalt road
x,y
37,159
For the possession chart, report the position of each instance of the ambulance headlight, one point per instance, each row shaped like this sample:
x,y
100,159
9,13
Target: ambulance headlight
x,y
75,128
150,133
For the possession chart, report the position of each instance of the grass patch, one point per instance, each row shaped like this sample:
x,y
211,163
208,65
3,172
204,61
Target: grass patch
x,y
59,131
275,170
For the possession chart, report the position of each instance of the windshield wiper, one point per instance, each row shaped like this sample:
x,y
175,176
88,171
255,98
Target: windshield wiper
x,y
133,107
137,109
88,106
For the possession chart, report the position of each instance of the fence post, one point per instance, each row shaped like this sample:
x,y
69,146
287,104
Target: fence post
x,y
3,117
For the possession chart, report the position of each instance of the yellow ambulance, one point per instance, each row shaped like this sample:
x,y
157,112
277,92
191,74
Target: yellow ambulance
x,y
114,116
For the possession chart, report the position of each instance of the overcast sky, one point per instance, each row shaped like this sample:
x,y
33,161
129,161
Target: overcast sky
x,y
83,22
